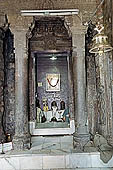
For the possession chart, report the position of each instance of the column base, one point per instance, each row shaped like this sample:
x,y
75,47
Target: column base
x,y
80,140
22,142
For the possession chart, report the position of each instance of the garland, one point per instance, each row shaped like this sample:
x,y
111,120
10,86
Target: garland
x,y
51,84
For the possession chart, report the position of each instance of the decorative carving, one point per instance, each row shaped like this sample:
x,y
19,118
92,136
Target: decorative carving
x,y
49,42
49,33
48,25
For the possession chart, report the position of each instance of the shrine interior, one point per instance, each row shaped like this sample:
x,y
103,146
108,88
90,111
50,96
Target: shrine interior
x,y
52,72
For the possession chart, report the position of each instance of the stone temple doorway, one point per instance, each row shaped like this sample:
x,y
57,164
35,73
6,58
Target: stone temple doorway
x,y
50,78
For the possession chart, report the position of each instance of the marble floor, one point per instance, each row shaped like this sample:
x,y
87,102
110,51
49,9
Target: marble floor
x,y
54,144
52,153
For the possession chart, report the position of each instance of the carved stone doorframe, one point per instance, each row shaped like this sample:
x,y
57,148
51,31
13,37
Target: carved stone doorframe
x,y
77,31
52,44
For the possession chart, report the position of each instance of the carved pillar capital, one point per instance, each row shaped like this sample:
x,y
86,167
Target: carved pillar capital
x,y
19,22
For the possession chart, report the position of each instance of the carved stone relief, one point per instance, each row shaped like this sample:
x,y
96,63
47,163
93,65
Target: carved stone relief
x,y
50,34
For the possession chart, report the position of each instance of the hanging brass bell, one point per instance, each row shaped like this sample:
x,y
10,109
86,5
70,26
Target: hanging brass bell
x,y
100,44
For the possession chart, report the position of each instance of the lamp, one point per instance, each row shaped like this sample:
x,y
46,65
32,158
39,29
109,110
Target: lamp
x,y
53,57
59,12
100,42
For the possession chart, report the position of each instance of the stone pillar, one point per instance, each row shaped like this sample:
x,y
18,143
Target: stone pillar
x,y
81,135
1,85
2,24
9,83
21,138
91,94
71,88
32,88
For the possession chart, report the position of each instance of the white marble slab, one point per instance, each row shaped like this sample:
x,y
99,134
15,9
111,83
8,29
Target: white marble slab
x,y
52,131
9,163
51,161
30,162
76,160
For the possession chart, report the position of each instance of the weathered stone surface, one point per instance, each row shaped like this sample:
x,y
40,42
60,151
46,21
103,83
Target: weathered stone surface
x,y
1,85
9,80
81,135
13,7
91,93
50,34
21,91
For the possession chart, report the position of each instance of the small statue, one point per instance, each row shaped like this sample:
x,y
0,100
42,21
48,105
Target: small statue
x,y
66,115
54,108
62,105
43,118
38,112
45,107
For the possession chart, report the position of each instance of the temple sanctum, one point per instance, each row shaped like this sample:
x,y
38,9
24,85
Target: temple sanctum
x,y
56,84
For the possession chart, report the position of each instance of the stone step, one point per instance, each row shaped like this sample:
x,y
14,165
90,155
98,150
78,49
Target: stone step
x,y
30,161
